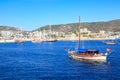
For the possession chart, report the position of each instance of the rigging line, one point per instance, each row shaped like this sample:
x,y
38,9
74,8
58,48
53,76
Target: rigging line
x,y
88,42
82,44
79,33
79,36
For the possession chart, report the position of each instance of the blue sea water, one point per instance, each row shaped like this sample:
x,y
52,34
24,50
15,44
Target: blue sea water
x,y
50,61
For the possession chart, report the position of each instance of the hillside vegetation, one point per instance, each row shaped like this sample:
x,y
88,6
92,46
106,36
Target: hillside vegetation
x,y
8,28
113,25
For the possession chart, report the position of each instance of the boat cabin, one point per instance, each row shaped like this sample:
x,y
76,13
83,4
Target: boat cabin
x,y
87,52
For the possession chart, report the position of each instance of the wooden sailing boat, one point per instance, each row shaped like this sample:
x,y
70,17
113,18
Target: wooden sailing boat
x,y
87,54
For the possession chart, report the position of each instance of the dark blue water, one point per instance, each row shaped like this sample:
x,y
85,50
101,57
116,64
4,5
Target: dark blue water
x,y
50,61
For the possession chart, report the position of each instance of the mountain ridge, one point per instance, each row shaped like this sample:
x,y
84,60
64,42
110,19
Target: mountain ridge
x,y
111,25
9,28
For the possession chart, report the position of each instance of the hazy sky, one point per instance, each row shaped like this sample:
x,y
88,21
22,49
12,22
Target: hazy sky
x,y
32,14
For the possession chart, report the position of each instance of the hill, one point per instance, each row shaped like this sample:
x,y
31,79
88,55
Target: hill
x,y
113,25
8,28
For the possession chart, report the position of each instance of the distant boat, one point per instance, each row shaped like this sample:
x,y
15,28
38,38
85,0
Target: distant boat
x,y
37,40
50,40
19,41
110,42
50,37
87,54
19,38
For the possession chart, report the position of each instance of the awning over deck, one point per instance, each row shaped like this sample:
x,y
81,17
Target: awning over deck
x,y
81,50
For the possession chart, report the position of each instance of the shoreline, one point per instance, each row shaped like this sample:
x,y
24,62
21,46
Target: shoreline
x,y
59,39
82,38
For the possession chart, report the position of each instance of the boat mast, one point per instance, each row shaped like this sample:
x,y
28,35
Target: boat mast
x,y
79,33
50,29
50,32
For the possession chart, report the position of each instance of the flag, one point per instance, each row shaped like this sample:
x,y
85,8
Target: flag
x,y
108,49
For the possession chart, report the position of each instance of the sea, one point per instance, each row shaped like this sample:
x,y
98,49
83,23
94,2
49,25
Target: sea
x,y
50,61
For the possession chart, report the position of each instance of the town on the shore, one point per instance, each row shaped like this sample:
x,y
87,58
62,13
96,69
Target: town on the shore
x,y
11,36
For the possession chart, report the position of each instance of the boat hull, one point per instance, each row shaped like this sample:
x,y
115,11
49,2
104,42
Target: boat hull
x,y
99,57
111,43
19,41
50,40
89,58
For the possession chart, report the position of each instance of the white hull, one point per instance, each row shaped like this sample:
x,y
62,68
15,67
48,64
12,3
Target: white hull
x,y
19,41
111,43
37,40
50,40
89,58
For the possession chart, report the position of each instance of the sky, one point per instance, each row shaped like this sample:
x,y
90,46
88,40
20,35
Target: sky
x,y
32,14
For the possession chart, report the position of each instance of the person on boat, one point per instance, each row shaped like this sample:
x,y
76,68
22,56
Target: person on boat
x,y
95,54
106,54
